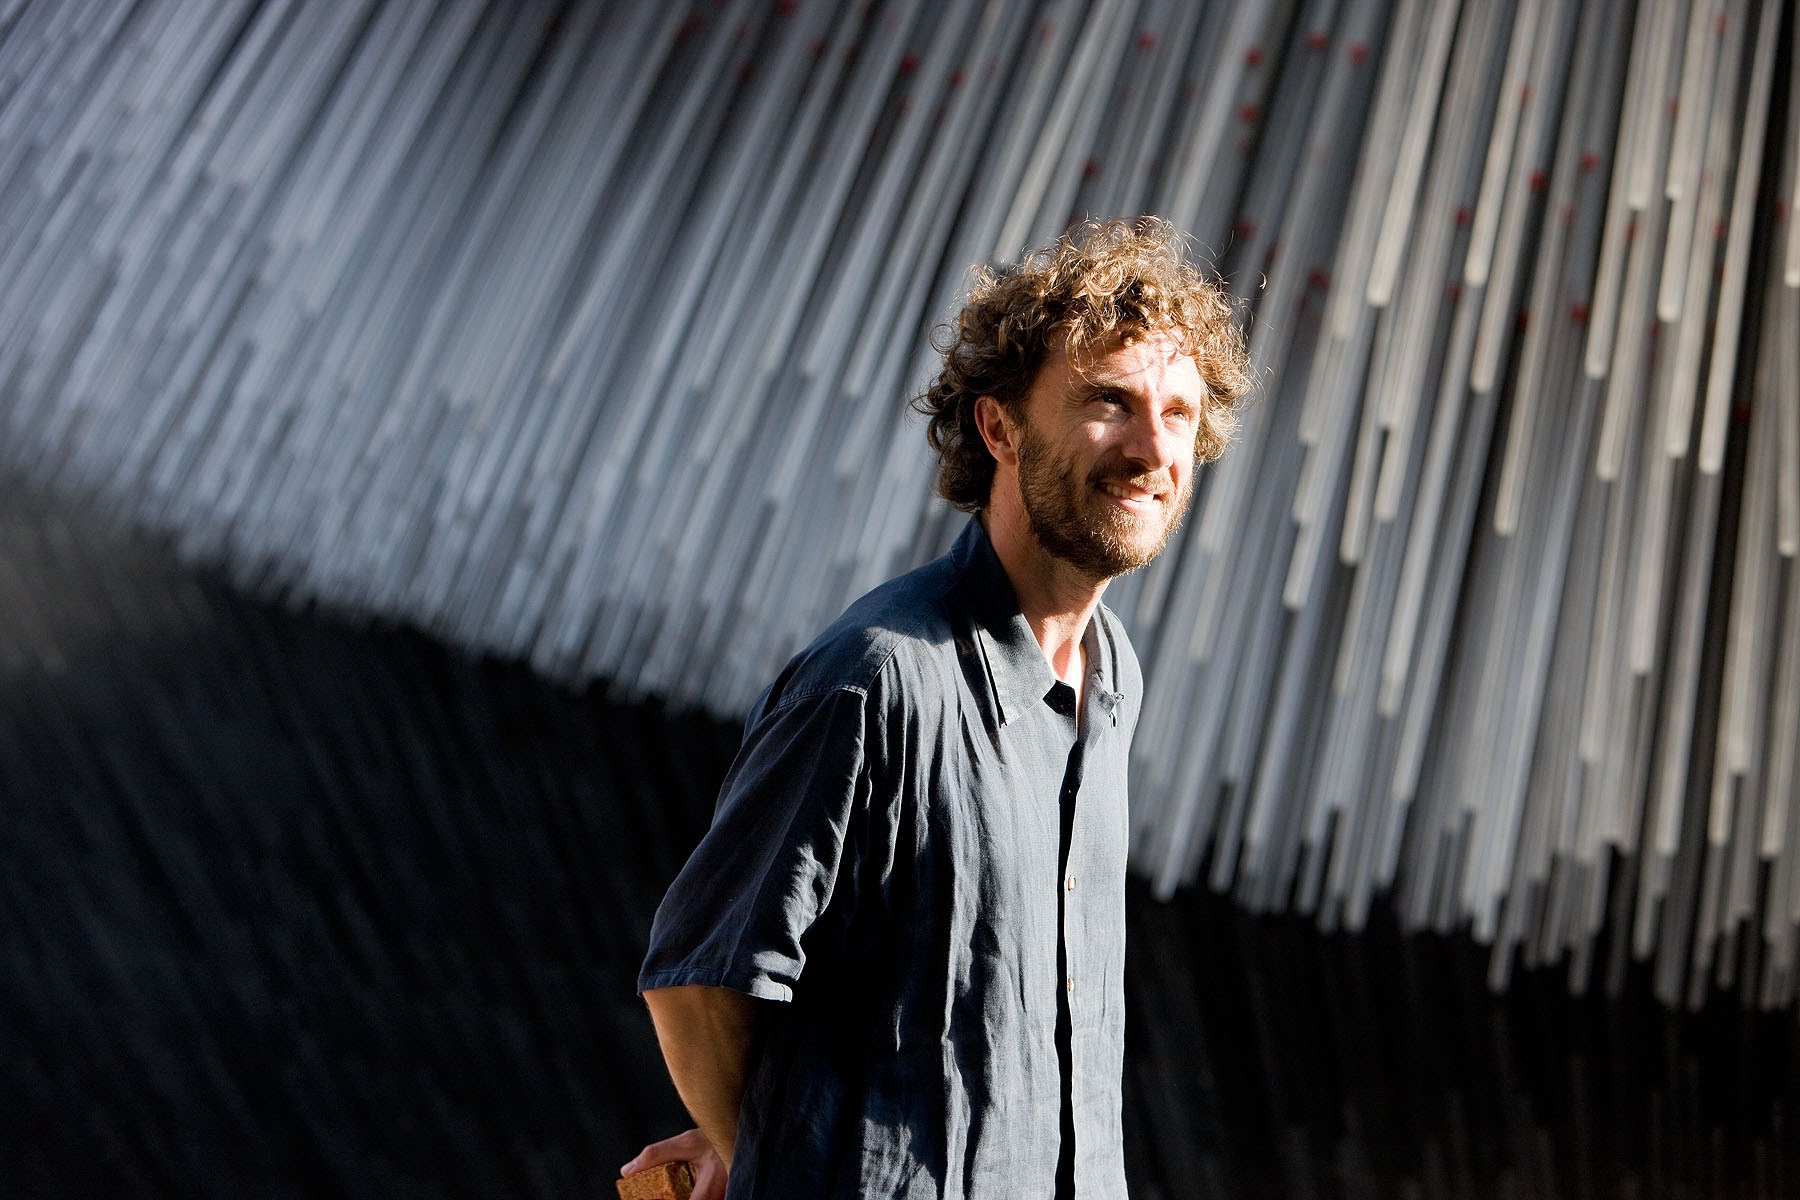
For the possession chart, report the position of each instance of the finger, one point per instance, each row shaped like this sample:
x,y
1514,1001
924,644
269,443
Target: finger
x,y
709,1179
683,1147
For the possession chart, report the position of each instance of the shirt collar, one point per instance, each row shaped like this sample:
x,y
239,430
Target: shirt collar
x,y
1103,667
1017,669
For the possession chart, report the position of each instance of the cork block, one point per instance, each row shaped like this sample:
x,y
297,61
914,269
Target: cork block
x,y
670,1181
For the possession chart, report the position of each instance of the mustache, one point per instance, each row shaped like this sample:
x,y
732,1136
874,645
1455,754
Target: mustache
x,y
1152,481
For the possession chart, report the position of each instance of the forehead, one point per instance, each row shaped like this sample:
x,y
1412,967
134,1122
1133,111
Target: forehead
x,y
1132,360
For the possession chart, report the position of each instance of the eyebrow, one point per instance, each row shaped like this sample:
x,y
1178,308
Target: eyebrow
x,y
1116,383
1101,383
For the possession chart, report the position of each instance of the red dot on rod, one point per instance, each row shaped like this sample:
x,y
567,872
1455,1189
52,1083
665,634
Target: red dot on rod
x,y
1589,160
1253,56
1537,181
1246,228
1146,40
1316,40
956,77
1249,113
909,63
1578,313
1317,277
1462,215
1089,169
1358,52
786,6
1453,290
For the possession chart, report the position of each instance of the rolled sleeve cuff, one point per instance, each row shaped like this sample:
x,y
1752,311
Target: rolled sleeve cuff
x,y
752,983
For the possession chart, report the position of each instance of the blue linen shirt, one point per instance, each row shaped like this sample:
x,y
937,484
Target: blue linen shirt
x,y
919,854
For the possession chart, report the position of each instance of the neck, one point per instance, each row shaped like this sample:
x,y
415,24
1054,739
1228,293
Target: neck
x,y
1056,599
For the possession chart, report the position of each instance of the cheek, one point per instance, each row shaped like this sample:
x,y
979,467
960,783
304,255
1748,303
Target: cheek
x,y
1191,437
1104,440
1183,470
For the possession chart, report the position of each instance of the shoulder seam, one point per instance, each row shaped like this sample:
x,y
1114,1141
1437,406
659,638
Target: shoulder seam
x,y
789,699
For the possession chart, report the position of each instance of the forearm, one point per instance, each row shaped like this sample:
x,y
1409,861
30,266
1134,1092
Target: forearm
x,y
705,1036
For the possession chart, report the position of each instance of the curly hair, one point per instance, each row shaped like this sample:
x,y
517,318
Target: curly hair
x,y
1101,281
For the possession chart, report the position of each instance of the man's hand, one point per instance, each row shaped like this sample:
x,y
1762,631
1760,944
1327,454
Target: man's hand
x,y
692,1148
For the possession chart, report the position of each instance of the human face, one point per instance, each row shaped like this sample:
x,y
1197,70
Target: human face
x,y
1106,454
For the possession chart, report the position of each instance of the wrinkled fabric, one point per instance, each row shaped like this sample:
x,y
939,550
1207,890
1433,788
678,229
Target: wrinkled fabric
x,y
886,865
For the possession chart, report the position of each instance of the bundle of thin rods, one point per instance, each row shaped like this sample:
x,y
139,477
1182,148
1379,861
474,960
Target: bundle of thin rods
x,y
582,333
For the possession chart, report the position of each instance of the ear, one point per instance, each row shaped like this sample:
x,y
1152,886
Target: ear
x,y
998,431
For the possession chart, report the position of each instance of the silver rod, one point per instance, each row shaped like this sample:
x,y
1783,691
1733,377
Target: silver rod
x,y
1499,312
1616,238
1737,249
1409,167
1688,150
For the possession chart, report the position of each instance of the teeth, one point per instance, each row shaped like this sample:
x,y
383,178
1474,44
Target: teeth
x,y
1126,493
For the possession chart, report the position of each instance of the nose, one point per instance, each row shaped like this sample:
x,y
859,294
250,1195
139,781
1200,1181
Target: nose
x,y
1150,443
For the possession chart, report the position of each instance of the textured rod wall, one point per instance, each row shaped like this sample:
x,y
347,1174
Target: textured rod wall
x,y
581,333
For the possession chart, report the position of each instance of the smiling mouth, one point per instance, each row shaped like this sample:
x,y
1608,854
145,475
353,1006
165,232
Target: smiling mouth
x,y
1133,497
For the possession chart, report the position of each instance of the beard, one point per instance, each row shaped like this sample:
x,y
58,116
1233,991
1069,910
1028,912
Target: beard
x,y
1073,520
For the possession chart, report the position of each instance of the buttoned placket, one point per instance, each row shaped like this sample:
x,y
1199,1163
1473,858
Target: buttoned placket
x,y
1100,712
1022,687
1070,799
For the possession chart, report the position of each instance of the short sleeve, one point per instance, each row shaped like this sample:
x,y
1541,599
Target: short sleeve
x,y
738,913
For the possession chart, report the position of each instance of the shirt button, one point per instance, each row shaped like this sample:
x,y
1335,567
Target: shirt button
x,y
1069,884
1069,984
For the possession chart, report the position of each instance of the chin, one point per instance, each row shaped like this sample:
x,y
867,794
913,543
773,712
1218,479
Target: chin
x,y
1111,558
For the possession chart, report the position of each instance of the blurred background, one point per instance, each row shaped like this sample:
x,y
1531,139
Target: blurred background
x,y
425,426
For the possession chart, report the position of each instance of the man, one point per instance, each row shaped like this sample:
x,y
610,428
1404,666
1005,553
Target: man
x,y
894,966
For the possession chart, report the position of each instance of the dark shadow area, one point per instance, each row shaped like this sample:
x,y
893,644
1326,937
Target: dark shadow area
x,y
297,909
293,908
1267,1060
